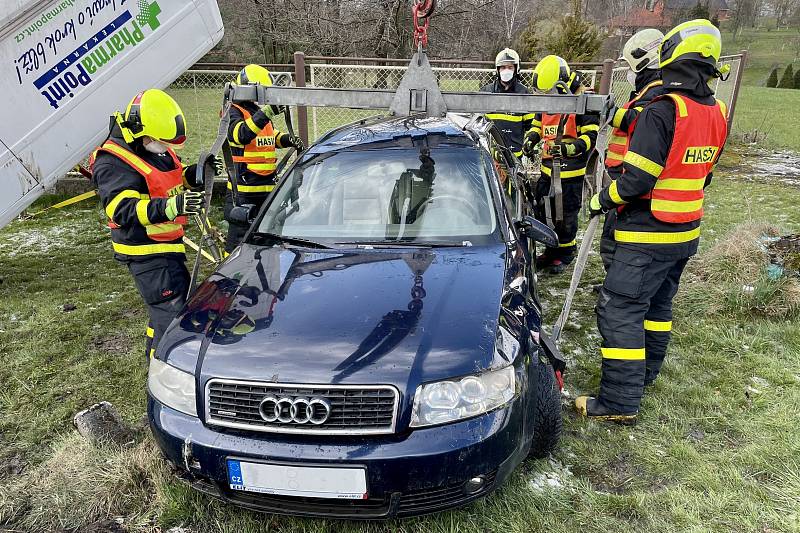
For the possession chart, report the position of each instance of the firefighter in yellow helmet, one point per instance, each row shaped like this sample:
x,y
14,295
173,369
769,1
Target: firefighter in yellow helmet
x,y
144,190
253,141
578,136
669,161
512,125
640,53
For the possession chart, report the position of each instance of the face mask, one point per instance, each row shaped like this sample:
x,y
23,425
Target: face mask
x,y
155,147
631,77
506,75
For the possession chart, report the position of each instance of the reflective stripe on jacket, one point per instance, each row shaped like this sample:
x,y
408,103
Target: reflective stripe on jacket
x,y
620,139
700,133
258,156
160,184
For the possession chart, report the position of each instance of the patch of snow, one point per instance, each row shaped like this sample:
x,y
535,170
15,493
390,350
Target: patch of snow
x,y
555,476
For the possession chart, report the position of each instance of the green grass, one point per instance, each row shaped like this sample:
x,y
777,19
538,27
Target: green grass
x,y
707,455
775,112
766,49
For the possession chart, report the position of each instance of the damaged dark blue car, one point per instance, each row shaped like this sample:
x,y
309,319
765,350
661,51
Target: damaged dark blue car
x,y
374,348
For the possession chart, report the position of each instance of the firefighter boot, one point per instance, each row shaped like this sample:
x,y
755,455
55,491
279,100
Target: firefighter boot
x,y
591,407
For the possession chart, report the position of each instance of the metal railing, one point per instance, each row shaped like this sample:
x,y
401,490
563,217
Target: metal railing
x,y
199,90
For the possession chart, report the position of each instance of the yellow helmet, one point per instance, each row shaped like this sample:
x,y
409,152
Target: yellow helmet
x,y
698,40
155,114
554,72
252,74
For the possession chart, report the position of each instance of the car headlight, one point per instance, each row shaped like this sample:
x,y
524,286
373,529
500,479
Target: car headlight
x,y
447,401
172,387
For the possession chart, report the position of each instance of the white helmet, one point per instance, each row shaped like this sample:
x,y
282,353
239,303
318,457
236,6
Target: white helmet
x,y
641,50
507,56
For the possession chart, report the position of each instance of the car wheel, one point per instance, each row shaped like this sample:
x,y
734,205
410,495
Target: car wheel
x,y
547,424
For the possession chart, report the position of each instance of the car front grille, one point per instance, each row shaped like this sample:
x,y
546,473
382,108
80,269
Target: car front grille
x,y
354,409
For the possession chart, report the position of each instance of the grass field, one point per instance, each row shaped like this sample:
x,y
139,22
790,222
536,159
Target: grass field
x,y
774,112
766,49
718,447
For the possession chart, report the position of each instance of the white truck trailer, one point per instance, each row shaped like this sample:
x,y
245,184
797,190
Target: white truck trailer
x,y
67,65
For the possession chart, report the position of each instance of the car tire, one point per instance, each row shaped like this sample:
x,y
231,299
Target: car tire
x,y
547,423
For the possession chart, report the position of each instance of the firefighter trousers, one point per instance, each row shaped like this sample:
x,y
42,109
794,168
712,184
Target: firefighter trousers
x,y
162,282
567,229
607,242
634,316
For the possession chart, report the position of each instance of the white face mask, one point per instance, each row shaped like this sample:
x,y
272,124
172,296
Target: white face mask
x,y
631,77
506,75
155,147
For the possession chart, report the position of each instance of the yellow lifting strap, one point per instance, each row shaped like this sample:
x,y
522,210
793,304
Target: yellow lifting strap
x,y
191,244
65,203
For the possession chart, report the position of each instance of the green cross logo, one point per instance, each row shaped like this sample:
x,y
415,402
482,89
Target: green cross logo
x,y
148,14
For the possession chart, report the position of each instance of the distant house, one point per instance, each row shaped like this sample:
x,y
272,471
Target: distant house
x,y
662,14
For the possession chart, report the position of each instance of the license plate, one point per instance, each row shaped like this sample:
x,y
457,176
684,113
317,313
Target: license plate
x,y
309,481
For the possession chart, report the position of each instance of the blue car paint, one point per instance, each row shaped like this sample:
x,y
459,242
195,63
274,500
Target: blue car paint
x,y
348,316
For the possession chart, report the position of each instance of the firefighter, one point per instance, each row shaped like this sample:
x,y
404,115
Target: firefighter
x,y
674,147
578,137
641,55
513,125
143,189
253,141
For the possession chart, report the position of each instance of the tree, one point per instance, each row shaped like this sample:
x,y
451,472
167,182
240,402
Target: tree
x,y
797,79
743,13
529,44
699,11
574,39
787,80
772,81
783,10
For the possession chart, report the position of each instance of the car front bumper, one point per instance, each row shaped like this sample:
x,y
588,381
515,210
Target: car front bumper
x,y
408,474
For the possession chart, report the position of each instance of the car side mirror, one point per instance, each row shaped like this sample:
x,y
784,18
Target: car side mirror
x,y
533,229
243,214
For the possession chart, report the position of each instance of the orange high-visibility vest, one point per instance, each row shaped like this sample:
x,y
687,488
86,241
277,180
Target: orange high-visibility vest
x,y
700,133
160,184
259,154
620,139
550,130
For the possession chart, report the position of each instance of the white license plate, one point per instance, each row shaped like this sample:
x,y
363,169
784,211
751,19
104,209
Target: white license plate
x,y
309,481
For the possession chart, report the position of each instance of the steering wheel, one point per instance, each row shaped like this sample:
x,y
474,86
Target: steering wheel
x,y
473,213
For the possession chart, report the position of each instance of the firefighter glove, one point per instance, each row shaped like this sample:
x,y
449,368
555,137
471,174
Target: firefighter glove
x,y
190,172
562,149
186,203
287,140
271,110
531,146
595,208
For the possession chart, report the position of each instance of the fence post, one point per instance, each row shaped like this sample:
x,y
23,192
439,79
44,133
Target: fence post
x,y
606,76
737,83
300,81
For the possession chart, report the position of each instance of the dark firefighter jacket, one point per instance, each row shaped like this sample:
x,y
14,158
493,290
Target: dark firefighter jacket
x,y
648,87
244,135
124,197
584,137
652,140
513,125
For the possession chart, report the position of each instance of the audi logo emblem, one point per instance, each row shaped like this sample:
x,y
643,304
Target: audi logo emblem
x,y
297,410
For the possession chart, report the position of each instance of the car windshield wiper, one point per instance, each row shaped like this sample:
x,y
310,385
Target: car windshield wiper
x,y
409,244
298,241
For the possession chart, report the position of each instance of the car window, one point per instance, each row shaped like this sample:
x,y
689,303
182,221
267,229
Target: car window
x,y
388,194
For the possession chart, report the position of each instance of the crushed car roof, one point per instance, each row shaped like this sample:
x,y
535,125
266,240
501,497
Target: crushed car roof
x,y
381,130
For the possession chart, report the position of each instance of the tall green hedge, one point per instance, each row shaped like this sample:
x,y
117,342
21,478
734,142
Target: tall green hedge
x,y
772,81
787,80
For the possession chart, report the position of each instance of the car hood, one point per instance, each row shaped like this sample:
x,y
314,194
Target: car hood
x,y
386,316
